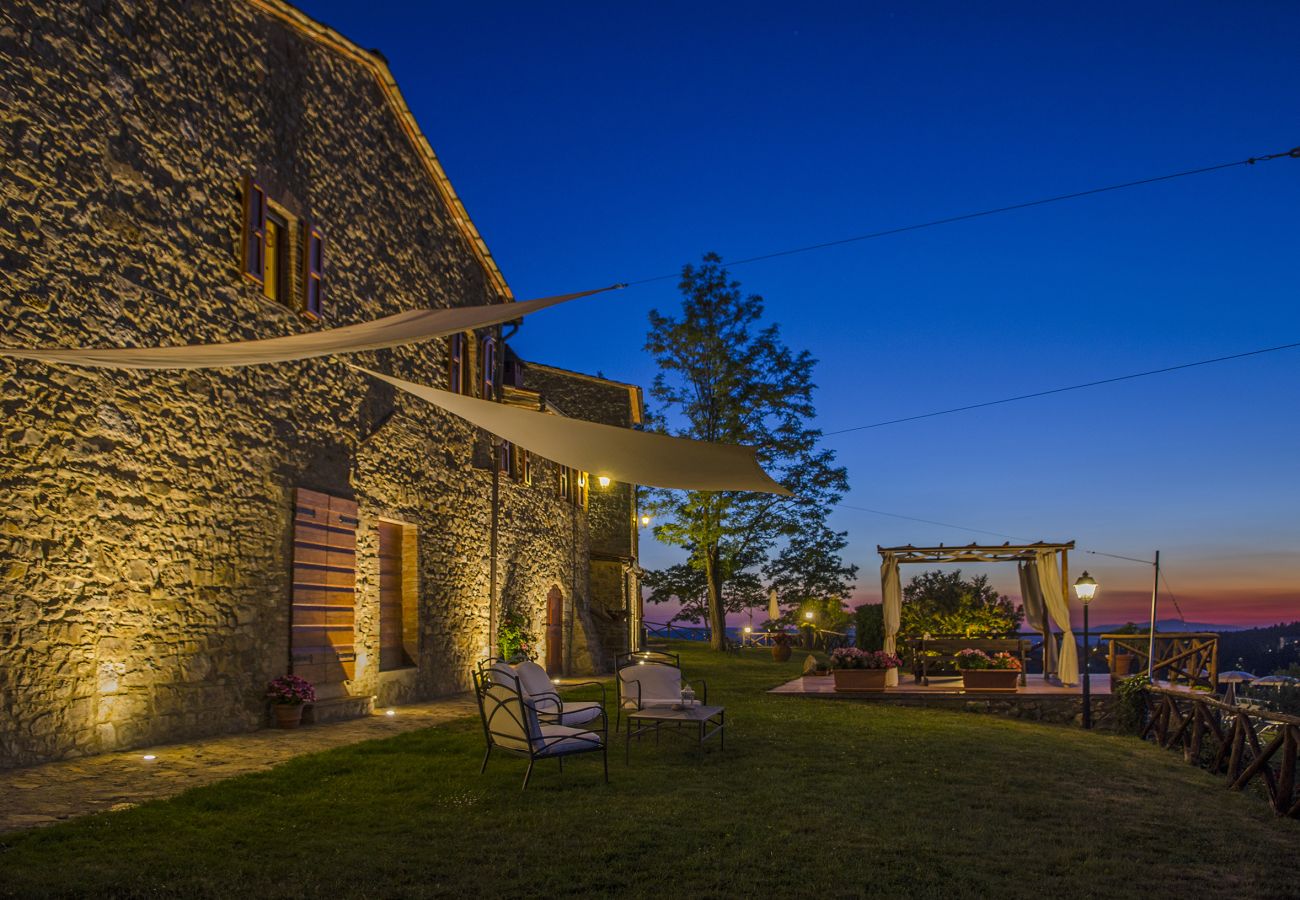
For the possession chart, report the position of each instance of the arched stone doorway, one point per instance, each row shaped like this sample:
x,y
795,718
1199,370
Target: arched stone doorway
x,y
555,631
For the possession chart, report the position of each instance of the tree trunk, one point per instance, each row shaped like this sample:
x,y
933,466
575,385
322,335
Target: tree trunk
x,y
717,617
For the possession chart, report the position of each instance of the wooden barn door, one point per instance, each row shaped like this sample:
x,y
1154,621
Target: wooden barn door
x,y
321,647
554,632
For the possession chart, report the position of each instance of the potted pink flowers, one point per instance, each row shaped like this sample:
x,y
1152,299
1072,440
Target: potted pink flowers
x,y
287,694
981,672
862,670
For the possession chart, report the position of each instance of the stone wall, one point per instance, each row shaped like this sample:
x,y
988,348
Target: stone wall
x,y
145,517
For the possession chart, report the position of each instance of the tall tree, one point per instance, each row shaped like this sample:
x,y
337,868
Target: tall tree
x,y
726,377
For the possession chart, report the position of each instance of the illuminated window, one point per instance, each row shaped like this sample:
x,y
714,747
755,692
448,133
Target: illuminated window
x,y
276,256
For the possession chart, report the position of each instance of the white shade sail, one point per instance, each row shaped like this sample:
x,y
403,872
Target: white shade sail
x,y
634,457
391,331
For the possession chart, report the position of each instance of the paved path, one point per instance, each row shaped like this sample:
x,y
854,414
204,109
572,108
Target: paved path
x,y
44,794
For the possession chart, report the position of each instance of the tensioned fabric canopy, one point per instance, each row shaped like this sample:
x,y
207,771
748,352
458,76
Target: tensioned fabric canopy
x,y
391,331
634,457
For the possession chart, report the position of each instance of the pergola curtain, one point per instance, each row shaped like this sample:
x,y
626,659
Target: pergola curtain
x,y
1049,580
1031,594
623,454
891,594
391,331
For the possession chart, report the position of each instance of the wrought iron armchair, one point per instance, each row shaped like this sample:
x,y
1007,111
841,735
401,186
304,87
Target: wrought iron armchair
x,y
647,679
536,686
511,723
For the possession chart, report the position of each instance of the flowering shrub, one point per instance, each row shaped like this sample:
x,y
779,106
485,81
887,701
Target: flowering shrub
x,y
853,658
514,636
978,659
782,639
290,690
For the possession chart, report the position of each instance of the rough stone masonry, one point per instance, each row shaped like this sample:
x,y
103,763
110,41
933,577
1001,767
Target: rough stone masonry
x,y
146,517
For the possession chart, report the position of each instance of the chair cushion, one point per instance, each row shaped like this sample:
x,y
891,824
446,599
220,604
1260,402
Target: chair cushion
x,y
578,713
659,684
535,682
510,721
558,740
505,674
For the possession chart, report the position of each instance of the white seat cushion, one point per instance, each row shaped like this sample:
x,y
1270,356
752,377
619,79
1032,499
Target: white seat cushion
x,y
535,682
578,713
660,685
557,740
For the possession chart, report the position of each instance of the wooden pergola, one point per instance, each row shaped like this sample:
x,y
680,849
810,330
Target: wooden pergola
x,y
987,553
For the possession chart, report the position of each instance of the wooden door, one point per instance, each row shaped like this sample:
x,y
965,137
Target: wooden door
x,y
554,632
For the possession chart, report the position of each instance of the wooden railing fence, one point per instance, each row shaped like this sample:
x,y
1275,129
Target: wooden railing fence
x,y
1183,657
1245,745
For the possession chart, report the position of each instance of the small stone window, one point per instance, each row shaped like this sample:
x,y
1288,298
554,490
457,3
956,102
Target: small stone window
x,y
573,486
513,460
276,255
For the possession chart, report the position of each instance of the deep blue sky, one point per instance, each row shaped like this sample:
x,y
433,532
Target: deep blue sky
x,y
605,142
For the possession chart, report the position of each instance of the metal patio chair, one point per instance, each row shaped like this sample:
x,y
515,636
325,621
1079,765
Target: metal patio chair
x,y
511,723
536,685
650,679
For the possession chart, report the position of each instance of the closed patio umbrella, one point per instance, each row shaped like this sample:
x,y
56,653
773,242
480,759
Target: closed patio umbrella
x,y
1277,681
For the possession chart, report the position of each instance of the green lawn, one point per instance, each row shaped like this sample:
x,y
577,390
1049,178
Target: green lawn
x,y
810,798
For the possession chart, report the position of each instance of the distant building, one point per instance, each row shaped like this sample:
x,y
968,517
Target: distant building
x,y
170,541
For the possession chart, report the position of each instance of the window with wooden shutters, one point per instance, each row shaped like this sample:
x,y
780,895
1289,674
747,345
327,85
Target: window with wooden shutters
x,y
323,616
564,480
398,575
489,367
254,231
523,471
313,270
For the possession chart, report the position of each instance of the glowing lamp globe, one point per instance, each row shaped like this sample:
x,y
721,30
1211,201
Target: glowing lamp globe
x,y
1086,588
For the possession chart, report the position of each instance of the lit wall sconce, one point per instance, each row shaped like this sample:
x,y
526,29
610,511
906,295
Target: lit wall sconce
x,y
645,520
602,480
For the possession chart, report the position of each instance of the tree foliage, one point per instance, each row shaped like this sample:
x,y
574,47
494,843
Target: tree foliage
x,y
945,603
726,377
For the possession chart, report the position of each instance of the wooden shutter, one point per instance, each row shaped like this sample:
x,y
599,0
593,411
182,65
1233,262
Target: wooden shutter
x,y
254,231
455,364
489,355
324,588
313,269
392,650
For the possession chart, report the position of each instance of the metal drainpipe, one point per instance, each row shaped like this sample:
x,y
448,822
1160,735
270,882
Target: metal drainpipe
x,y
498,394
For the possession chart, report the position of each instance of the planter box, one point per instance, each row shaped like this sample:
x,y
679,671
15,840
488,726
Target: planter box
x,y
999,680
862,680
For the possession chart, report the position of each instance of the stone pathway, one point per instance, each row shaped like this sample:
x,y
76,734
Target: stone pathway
x,y
53,792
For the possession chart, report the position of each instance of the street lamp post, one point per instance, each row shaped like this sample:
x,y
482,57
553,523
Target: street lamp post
x,y
808,623
1085,589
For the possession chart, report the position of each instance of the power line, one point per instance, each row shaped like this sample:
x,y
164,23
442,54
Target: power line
x,y
881,512
1061,390
1293,153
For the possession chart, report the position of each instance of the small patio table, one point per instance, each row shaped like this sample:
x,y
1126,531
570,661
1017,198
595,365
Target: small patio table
x,y
708,721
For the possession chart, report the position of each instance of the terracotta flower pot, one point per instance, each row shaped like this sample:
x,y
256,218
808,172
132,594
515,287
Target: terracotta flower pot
x,y
999,680
287,715
1123,665
781,653
862,680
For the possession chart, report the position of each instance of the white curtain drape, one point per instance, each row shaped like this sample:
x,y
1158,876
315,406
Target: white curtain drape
x,y
1049,580
891,598
1035,612
391,331
622,454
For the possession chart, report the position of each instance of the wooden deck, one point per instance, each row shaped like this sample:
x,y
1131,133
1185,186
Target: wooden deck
x,y
941,687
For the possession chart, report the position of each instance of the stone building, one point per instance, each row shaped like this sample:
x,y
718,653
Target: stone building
x,y
184,172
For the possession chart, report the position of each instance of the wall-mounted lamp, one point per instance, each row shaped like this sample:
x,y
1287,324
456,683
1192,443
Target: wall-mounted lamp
x,y
602,480
645,520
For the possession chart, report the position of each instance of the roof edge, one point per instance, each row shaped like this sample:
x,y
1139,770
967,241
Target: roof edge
x,y
378,67
633,390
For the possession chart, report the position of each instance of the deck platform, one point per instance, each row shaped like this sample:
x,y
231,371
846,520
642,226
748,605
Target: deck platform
x,y
941,686
1038,700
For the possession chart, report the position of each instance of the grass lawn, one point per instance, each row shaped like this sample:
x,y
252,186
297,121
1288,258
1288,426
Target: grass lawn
x,y
810,798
